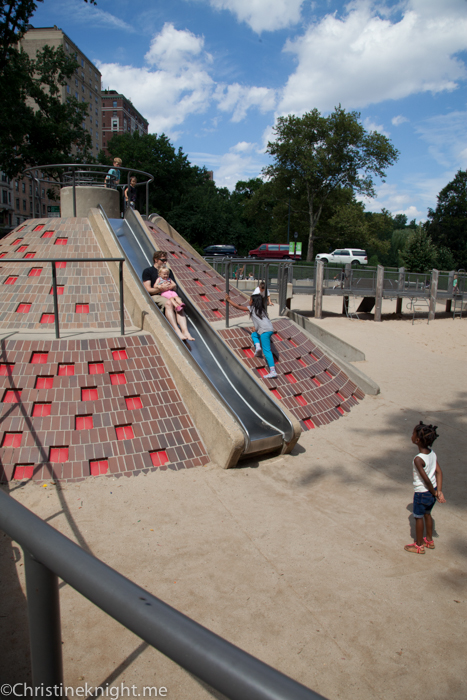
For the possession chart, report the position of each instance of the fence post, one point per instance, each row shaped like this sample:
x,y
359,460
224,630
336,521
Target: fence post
x,y
450,291
283,278
44,626
74,193
433,294
400,289
379,292
54,289
319,289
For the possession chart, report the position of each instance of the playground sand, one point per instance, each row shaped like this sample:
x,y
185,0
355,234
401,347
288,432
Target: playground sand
x,y
297,559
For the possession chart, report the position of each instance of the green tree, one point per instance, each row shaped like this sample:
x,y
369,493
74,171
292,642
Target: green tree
x,y
420,254
317,155
447,224
34,120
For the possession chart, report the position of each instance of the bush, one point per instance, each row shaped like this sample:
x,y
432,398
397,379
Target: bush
x,y
373,261
420,253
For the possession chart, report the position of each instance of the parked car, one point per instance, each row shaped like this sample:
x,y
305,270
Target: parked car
x,y
277,251
224,250
355,256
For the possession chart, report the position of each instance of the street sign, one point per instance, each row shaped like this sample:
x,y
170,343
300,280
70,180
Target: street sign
x,y
53,211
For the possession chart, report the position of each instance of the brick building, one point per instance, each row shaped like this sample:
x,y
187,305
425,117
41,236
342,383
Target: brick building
x,y
119,116
16,196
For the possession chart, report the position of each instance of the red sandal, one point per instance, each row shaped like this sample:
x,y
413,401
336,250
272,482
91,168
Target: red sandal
x,y
415,548
429,543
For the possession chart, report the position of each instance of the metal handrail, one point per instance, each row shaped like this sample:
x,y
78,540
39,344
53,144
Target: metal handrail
x,y
77,168
54,281
48,554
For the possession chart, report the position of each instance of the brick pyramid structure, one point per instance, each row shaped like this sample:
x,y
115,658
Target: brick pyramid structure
x,y
75,407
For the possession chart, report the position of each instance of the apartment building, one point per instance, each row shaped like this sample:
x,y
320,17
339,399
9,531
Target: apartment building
x,y
16,196
119,116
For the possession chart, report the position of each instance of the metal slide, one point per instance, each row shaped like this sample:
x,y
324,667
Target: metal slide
x,y
265,425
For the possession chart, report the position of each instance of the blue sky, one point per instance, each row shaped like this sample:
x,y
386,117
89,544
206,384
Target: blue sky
x,y
215,74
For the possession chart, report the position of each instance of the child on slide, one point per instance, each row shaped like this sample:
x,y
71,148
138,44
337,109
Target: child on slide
x,y
171,295
263,329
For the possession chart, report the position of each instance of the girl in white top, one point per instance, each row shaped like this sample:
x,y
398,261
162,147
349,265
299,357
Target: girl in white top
x,y
427,483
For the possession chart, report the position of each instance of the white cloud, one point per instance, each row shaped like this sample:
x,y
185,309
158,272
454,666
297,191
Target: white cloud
x,y
370,125
262,15
241,162
239,98
173,49
447,138
363,58
397,121
88,14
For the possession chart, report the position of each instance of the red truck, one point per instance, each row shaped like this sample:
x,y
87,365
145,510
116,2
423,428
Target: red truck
x,y
276,251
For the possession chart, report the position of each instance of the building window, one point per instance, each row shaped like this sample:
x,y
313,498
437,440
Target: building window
x,y
66,46
43,192
68,89
24,205
76,95
17,204
82,62
4,197
30,189
114,124
23,187
90,95
17,185
76,83
82,88
114,103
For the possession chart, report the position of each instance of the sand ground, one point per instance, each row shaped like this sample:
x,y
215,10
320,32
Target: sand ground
x,y
297,559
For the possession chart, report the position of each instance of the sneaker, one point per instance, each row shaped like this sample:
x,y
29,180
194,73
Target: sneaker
x,y
271,374
258,351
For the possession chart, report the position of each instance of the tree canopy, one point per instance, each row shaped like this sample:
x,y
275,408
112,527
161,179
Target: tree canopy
x,y
447,224
316,156
34,119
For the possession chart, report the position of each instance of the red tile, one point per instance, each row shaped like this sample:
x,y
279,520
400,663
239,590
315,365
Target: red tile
x,y
313,357
98,466
44,382
316,381
61,241
117,378
6,369
47,318
342,398
174,255
12,396
23,308
263,371
190,268
39,227
2,255
60,264
58,454
292,343
276,335
41,410
203,297
133,402
289,376
21,249
248,352
82,308
60,290
124,432
276,394
12,439
84,422
159,458
28,256
35,272
96,368
66,369
300,361
217,313
39,358
341,410
326,371
20,229
119,354
309,423
17,242
299,399
23,471
10,280
89,394
198,283
47,234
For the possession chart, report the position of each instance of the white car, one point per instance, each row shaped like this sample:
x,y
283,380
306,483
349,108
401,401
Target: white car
x,y
342,256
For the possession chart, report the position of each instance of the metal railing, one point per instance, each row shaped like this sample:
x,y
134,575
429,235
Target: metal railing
x,y
82,175
48,555
54,281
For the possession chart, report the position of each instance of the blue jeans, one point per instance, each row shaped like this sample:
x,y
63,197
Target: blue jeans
x,y
423,502
265,341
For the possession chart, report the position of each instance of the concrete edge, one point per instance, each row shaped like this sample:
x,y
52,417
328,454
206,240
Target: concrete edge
x,y
358,377
340,347
222,436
